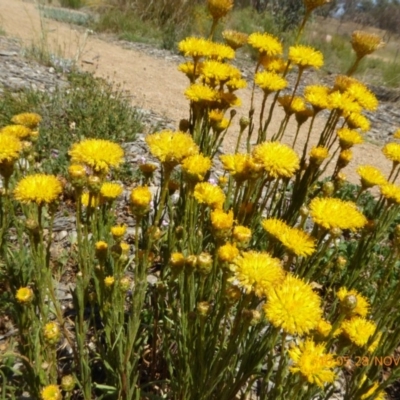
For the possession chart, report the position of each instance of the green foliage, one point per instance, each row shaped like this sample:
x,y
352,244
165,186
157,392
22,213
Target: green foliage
x,y
87,108
64,15
72,3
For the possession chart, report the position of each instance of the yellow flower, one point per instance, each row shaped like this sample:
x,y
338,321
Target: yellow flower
x,y
279,160
306,57
219,8
331,213
228,99
235,84
362,305
24,295
209,194
38,188
10,148
295,240
265,44
51,333
109,281
370,176
392,152
220,51
118,231
188,69
311,361
199,93
292,104
348,138
228,252
363,96
312,4
94,200
318,155
30,120
77,171
19,131
257,272
195,47
293,307
241,234
171,148
371,392
177,260
240,166
216,73
270,81
215,116
324,328
396,135
195,167
345,157
110,190
317,96
234,39
390,192
274,64
98,154
357,121
222,221
343,102
101,249
359,330
51,392
365,43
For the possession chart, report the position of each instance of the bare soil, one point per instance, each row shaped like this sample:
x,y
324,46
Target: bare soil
x,y
153,83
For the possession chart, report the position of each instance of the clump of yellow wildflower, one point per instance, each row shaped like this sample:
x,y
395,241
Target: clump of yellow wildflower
x,y
98,154
313,363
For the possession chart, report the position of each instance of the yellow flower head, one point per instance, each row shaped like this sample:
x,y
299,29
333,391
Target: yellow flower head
x,y
265,44
362,305
365,43
98,154
10,148
357,121
348,138
209,194
240,166
270,81
392,152
110,190
219,8
396,135
235,84
279,160
274,64
101,248
331,213
317,96
293,307
292,104
51,392
188,69
294,240
51,332
171,148
19,131
77,171
199,93
343,102
222,221
234,39
257,272
370,176
195,47
215,116
241,234
318,155
30,120
228,99
228,252
306,57
363,96
216,73
220,52
118,231
390,192
38,188
359,330
140,196
24,295
195,167
372,391
94,200
177,260
109,281
324,328
312,362
312,4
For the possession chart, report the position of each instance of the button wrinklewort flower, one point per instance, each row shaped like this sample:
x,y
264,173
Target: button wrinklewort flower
x,y
195,47
234,39
38,188
209,194
306,57
98,154
219,8
295,240
370,176
279,160
31,120
19,131
171,148
24,295
293,307
333,213
390,192
392,152
265,44
199,93
312,362
317,96
110,190
362,304
257,272
357,121
359,330
270,81
10,147
365,43
51,392
348,138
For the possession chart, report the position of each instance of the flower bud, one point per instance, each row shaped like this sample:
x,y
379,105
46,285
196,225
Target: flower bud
x,y
328,189
349,303
68,383
203,308
94,184
109,282
51,333
244,122
125,283
204,263
177,261
24,295
191,261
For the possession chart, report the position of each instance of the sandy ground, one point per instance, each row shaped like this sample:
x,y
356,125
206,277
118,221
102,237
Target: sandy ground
x,y
153,83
